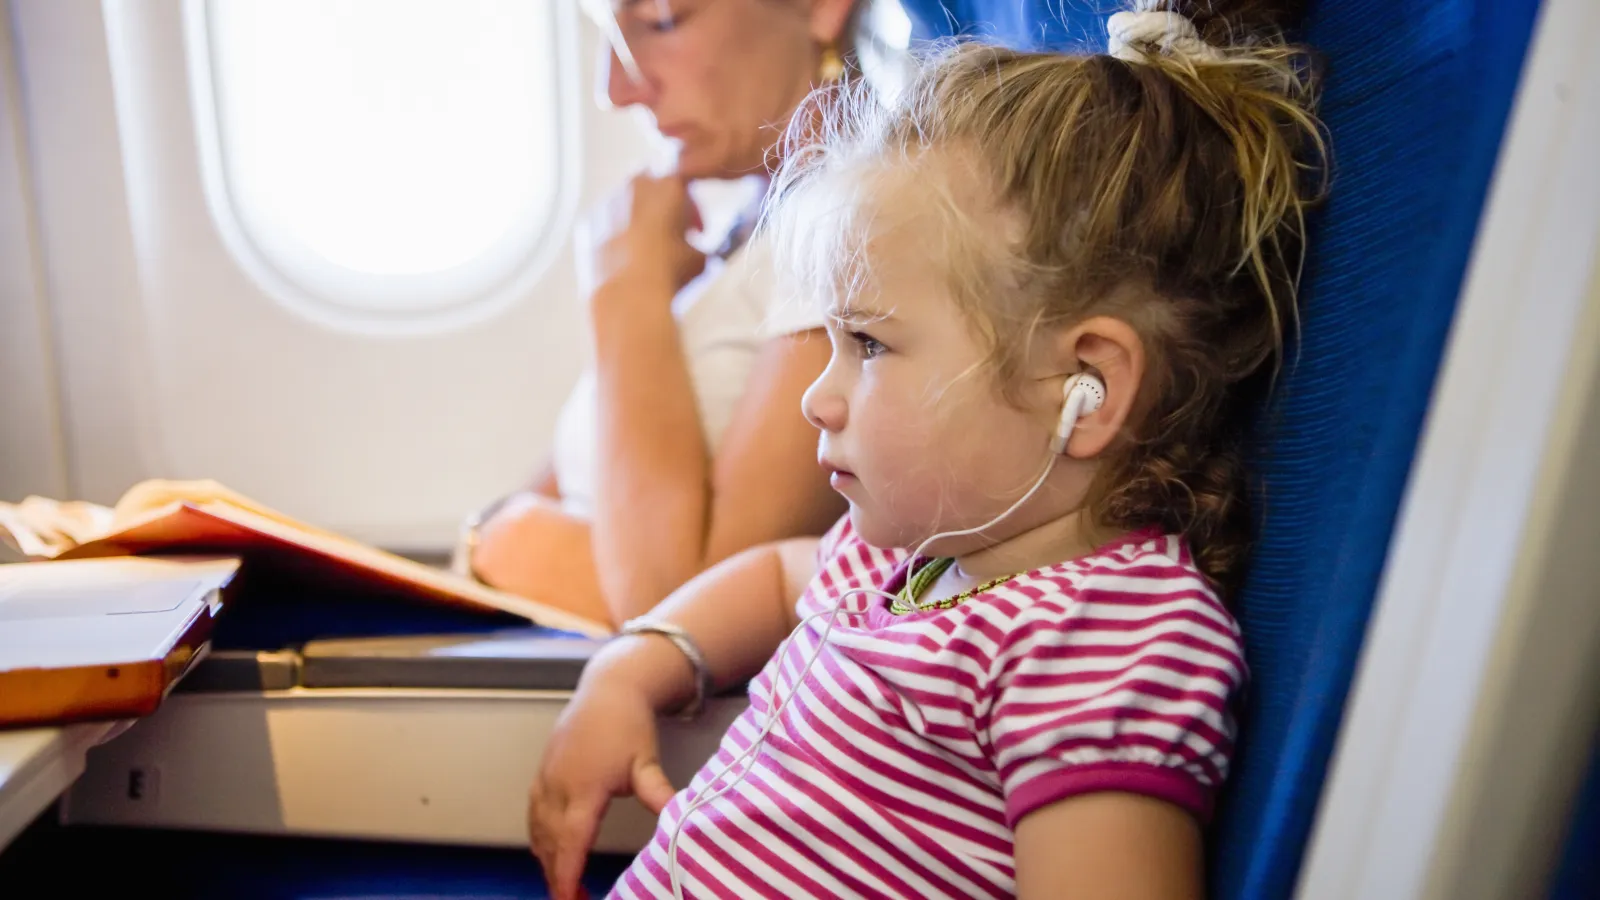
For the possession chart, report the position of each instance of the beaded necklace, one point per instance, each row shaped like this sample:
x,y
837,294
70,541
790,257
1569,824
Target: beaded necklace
x,y
923,578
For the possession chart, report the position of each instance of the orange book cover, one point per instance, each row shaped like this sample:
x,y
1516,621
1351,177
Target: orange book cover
x,y
203,517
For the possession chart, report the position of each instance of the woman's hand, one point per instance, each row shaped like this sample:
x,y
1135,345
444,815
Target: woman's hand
x,y
533,548
641,235
604,746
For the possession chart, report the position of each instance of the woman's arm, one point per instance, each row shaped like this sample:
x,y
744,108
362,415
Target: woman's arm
x,y
665,507
545,483
764,485
1105,845
765,481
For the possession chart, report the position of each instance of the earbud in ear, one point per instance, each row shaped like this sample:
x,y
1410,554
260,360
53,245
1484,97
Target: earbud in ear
x,y
1081,395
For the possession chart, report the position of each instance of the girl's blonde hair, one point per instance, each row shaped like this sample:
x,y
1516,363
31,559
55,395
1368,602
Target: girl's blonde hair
x,y
1165,189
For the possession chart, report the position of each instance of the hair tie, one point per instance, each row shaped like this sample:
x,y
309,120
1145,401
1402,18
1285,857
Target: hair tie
x,y
1172,33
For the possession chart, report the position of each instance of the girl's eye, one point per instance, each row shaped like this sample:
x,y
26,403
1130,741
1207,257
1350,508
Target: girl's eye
x,y
870,346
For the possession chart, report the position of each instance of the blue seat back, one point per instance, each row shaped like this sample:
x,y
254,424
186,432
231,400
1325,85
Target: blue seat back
x,y
1577,873
1417,95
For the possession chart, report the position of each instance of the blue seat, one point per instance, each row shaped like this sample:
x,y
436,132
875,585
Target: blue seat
x,y
187,866
1577,873
1417,95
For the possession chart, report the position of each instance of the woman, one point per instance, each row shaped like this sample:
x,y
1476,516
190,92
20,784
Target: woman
x,y
685,442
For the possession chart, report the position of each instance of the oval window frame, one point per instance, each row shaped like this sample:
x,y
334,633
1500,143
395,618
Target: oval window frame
x,y
350,301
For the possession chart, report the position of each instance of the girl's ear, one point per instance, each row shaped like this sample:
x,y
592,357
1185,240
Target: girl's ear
x,y
1111,349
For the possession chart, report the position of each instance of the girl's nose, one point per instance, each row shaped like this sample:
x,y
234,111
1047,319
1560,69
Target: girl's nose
x,y
823,404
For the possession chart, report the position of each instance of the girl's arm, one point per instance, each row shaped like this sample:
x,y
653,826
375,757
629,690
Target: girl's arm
x,y
1108,769
1109,845
604,744
737,612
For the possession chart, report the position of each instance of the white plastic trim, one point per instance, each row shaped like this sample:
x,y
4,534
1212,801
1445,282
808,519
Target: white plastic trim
x,y
395,305
1493,426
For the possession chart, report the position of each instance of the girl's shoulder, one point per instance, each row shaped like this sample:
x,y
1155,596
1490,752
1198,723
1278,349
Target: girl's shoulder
x,y
1139,568
1143,585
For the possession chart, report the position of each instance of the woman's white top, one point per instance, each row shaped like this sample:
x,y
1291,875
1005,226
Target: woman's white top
x,y
725,317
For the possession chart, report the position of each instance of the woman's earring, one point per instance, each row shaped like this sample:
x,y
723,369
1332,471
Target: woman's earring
x,y
832,67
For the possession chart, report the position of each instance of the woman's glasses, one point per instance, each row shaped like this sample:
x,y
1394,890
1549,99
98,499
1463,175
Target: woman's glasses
x,y
629,25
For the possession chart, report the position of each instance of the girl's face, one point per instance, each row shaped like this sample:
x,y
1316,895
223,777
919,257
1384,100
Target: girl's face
x,y
915,430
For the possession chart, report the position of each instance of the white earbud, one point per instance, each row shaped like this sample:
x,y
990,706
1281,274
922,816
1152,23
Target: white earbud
x,y
1080,396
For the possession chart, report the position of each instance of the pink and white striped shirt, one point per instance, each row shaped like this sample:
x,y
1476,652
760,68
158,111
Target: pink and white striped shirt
x,y
916,743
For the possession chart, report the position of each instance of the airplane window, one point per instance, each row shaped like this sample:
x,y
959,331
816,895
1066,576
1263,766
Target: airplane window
x,y
388,156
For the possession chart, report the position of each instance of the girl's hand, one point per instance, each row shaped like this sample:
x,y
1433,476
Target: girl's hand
x,y
604,746
641,235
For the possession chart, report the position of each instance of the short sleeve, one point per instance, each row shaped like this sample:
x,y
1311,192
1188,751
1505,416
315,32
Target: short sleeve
x,y
1129,688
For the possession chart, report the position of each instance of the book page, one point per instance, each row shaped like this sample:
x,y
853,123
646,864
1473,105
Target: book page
x,y
41,528
151,497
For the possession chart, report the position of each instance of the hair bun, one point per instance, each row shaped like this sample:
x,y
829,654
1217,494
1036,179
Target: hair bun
x,y
1171,33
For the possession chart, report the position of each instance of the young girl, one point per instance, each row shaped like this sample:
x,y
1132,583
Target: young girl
x,y
1056,283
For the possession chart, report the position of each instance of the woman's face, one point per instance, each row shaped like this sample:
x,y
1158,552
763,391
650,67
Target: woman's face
x,y
721,77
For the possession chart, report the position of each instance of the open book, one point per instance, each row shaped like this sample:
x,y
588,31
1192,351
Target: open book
x,y
205,517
